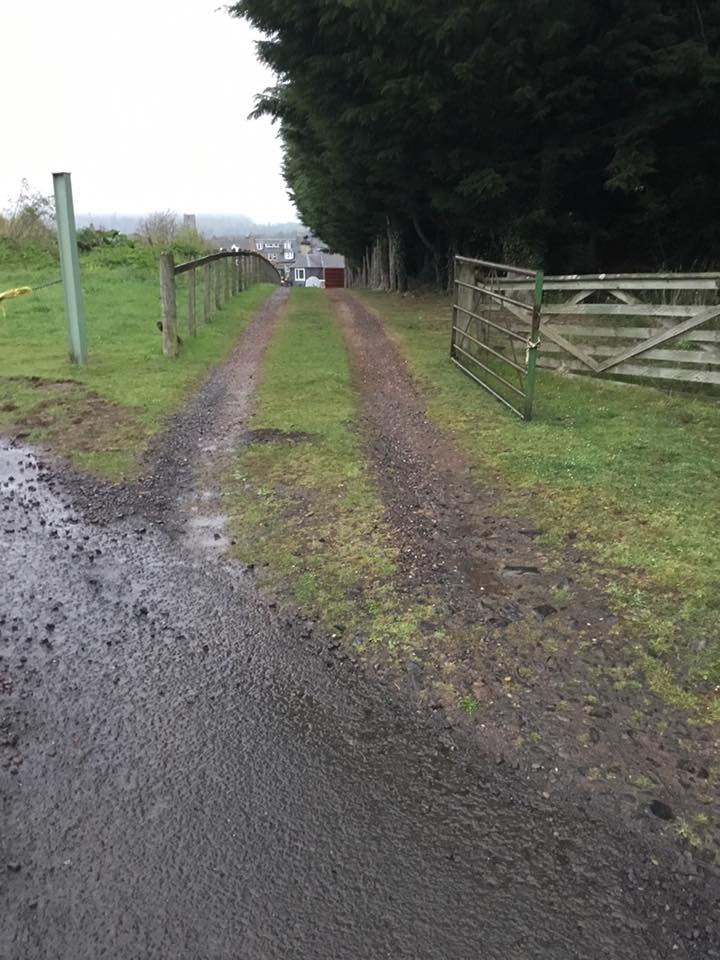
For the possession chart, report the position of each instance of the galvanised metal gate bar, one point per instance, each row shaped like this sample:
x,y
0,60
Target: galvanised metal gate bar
x,y
483,343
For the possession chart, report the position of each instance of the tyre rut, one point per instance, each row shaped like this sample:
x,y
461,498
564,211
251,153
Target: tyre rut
x,y
540,669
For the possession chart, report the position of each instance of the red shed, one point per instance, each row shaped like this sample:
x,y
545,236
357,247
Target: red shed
x,y
334,277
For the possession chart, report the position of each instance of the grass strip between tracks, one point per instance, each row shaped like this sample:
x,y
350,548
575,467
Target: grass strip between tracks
x,y
630,473
300,498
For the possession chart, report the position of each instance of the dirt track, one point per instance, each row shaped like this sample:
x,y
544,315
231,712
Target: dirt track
x,y
185,460
184,776
542,669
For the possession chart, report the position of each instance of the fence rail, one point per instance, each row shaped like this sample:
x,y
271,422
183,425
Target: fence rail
x,y
224,275
663,327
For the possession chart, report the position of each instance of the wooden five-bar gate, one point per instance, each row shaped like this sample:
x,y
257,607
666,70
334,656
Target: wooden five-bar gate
x,y
648,327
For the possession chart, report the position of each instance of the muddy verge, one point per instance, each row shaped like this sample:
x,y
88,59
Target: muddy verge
x,y
178,488
62,411
534,662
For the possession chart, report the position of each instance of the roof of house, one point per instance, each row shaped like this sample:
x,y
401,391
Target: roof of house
x,y
319,260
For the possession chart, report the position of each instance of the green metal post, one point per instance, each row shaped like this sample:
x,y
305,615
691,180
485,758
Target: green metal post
x,y
70,267
533,346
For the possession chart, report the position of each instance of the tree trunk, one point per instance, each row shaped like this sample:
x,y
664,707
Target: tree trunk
x,y
396,258
382,245
392,256
400,264
432,248
375,267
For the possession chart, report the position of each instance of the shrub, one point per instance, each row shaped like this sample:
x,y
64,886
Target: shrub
x,y
29,218
91,237
190,243
159,229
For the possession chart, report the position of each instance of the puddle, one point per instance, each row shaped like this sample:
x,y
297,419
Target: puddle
x,y
207,532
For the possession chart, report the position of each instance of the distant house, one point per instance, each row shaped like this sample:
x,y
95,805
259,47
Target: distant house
x,y
327,267
280,251
230,243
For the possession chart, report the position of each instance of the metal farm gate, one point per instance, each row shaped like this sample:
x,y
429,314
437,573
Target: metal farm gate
x,y
486,342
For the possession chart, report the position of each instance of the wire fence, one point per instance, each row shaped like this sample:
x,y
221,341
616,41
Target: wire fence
x,y
218,277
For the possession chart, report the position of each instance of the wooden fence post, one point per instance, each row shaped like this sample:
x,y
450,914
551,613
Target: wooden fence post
x,y
218,284
169,305
207,284
226,278
192,320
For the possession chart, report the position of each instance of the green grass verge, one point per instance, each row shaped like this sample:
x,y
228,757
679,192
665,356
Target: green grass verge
x,y
300,499
630,472
101,416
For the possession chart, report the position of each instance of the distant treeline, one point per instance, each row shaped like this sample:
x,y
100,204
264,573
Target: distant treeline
x,y
580,134
207,223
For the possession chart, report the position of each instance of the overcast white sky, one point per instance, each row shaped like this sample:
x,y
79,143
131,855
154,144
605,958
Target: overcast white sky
x,y
143,101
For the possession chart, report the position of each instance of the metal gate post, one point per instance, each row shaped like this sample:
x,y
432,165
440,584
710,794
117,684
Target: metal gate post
x,y
70,267
455,289
532,348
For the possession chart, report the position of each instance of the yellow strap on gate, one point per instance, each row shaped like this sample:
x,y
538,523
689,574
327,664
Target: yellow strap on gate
x,y
11,294
15,292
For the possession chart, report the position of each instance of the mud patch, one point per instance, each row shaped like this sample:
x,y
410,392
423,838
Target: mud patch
x,y
53,386
180,472
271,435
69,417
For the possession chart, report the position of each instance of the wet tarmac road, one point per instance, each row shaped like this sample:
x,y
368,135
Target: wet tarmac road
x,y
191,779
